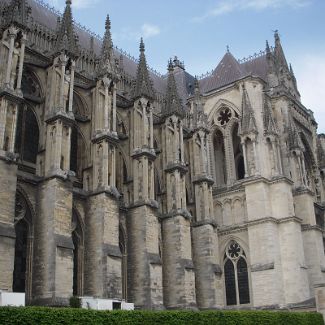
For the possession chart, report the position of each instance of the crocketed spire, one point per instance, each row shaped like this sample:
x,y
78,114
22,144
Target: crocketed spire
x,y
200,119
278,52
248,123
294,140
143,85
16,12
269,123
106,62
66,40
173,103
107,46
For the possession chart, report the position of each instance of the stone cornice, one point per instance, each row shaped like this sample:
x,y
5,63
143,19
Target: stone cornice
x,y
209,222
7,230
262,267
60,115
149,203
274,220
110,191
144,151
110,137
176,213
227,192
203,178
273,180
176,166
301,191
11,95
306,227
225,230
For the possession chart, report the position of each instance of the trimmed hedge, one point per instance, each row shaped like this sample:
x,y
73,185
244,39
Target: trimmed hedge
x,y
45,315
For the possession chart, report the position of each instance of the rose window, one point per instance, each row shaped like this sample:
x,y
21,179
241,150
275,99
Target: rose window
x,y
224,116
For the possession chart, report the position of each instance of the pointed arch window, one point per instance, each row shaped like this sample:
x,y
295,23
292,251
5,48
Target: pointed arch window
x,y
27,135
123,249
219,158
22,273
238,154
78,253
236,275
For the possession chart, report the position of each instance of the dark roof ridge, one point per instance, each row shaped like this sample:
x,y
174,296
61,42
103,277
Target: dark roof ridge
x,y
91,34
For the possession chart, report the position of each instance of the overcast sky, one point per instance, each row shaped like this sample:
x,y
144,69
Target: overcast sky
x,y
199,31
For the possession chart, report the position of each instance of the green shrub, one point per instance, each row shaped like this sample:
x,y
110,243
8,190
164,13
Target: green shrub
x,y
75,302
46,315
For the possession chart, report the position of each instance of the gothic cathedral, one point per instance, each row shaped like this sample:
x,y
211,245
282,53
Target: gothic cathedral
x,y
167,191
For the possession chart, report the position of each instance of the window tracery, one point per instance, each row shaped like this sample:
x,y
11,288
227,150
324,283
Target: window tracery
x,y
224,116
236,275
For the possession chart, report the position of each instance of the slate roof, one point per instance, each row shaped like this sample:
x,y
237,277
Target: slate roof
x,y
227,71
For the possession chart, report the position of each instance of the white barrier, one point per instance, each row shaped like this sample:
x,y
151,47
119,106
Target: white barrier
x,y
105,304
12,298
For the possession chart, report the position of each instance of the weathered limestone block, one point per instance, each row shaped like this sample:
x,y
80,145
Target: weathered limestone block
x,y
320,298
53,262
7,231
312,239
295,277
102,253
178,268
314,255
8,176
267,283
207,272
7,257
275,237
144,263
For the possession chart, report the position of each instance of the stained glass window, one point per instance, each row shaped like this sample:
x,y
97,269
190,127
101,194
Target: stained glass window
x,y
236,275
230,281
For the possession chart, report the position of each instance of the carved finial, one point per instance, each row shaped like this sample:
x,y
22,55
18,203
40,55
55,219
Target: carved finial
x,y
17,12
267,47
170,66
67,40
279,53
269,123
173,103
291,70
142,49
196,83
248,123
293,135
107,23
228,49
106,63
143,85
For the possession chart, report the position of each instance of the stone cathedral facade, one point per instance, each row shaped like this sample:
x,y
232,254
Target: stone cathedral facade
x,y
168,191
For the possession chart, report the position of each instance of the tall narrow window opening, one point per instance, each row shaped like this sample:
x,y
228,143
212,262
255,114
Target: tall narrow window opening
x,y
236,275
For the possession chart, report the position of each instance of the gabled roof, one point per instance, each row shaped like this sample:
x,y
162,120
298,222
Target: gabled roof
x,y
230,70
